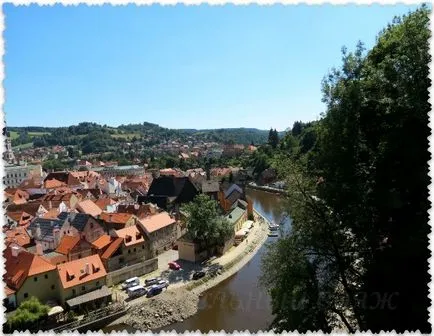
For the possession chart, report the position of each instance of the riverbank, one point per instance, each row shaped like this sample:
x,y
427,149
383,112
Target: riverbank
x,y
181,302
267,189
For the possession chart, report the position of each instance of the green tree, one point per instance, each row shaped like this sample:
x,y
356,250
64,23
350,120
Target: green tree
x,y
296,128
28,315
204,224
368,220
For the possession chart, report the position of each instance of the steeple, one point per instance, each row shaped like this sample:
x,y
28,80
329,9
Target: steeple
x,y
8,154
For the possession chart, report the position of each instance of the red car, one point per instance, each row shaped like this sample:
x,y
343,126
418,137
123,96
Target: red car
x,y
173,265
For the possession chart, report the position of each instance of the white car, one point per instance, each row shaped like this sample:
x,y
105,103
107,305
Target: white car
x,y
131,283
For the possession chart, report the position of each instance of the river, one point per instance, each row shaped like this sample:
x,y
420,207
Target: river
x,y
237,303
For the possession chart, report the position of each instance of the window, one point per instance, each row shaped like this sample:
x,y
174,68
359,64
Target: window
x,y
83,288
134,249
143,247
35,279
52,287
91,225
46,276
26,295
129,251
97,284
73,292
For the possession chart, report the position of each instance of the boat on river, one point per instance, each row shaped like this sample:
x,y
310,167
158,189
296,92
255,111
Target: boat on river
x,y
273,234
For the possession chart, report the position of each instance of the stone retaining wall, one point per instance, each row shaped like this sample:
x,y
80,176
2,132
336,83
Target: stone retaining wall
x,y
144,267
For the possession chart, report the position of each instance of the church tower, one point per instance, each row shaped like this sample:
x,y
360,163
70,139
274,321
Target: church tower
x,y
8,155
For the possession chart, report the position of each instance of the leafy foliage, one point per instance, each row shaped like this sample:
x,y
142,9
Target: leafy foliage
x,y
204,224
28,315
359,194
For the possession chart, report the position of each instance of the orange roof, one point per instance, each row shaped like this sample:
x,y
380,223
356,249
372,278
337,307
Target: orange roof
x,y
131,235
22,266
15,215
112,248
115,217
89,207
102,242
21,217
104,202
18,235
20,197
50,184
67,243
157,222
8,291
51,214
73,273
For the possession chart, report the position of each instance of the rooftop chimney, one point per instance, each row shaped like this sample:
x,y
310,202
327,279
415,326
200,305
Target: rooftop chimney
x,y
15,251
87,269
39,250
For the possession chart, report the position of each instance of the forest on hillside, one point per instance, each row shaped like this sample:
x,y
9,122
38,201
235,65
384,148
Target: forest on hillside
x,y
95,138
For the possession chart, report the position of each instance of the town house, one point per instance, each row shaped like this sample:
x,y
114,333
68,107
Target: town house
x,y
161,230
123,247
74,247
83,225
28,275
79,277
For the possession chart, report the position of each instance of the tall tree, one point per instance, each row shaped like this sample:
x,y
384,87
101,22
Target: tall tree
x,y
204,224
368,220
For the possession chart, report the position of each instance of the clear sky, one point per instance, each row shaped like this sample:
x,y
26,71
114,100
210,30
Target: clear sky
x,y
179,67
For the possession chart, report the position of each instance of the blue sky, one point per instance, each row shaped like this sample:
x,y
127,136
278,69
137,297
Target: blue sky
x,y
179,67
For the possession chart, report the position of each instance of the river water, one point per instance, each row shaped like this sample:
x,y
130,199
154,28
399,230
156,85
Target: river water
x,y
239,302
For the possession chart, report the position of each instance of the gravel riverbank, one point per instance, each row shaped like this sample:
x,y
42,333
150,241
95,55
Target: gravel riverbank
x,y
168,307
177,304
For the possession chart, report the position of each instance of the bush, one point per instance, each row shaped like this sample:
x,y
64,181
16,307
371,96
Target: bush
x,y
28,315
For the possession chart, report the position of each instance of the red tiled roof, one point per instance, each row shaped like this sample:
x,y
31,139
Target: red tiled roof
x,y
51,214
24,265
51,184
131,235
73,273
157,222
89,207
121,218
102,203
102,242
67,243
112,248
8,291
18,235
21,217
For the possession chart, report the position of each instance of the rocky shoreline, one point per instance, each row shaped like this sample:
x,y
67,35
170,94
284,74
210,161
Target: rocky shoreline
x,y
169,307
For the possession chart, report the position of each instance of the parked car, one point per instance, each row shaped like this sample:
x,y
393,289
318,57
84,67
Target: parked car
x,y
136,291
131,283
152,281
173,265
198,275
154,290
163,283
215,269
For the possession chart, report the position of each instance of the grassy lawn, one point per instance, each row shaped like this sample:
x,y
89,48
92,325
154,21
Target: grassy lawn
x,y
35,134
24,146
14,135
